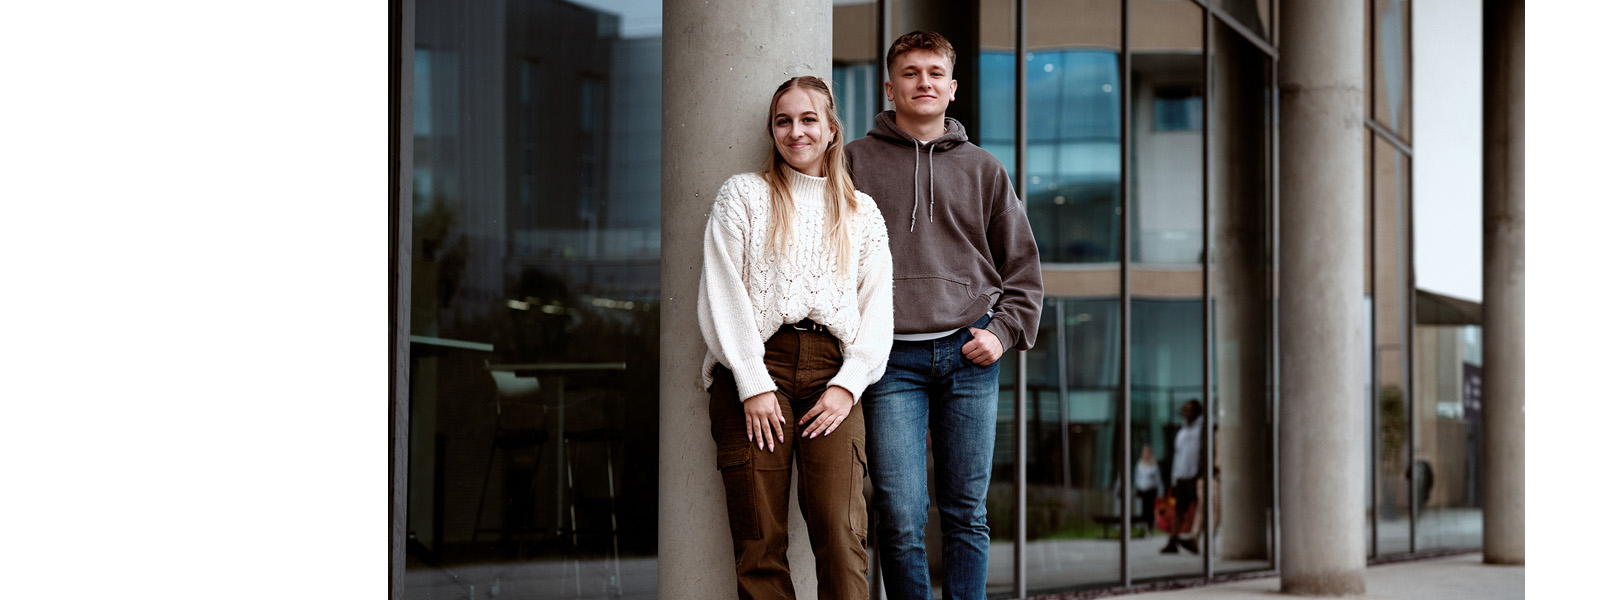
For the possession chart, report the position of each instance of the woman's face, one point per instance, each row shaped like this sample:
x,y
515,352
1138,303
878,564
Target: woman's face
x,y
800,130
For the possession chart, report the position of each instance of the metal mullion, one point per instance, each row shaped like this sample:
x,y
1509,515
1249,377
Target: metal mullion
x,y
1020,134
1125,401
1410,278
1274,245
1411,326
1375,365
1374,477
1206,331
1409,311
1255,39
1389,135
882,44
402,100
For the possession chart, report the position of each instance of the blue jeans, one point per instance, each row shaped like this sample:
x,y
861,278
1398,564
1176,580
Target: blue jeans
x,y
929,388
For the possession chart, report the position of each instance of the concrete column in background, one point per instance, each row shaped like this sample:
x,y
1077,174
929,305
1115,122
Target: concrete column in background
x,y
1503,283
721,61
1322,199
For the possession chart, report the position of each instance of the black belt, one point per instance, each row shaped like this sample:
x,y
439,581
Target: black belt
x,y
807,325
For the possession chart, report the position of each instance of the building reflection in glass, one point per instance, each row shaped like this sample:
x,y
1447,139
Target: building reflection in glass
x,y
535,293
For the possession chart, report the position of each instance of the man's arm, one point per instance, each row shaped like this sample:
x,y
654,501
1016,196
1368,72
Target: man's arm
x,y
1016,313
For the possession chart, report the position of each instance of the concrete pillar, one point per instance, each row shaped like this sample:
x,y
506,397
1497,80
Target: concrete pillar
x,y
721,60
1503,283
1321,75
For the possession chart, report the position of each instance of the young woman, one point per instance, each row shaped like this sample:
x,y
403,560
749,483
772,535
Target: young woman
x,y
797,316
1147,486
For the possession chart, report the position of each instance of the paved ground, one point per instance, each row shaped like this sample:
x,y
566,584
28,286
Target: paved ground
x,y
1449,578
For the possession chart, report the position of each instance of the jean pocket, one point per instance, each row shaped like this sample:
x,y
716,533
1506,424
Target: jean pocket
x,y
737,464
858,497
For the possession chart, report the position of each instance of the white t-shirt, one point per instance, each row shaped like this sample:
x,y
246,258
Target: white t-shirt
x,y
1186,455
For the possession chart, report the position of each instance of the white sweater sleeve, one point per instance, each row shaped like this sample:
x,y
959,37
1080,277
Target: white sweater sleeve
x,y
727,320
866,354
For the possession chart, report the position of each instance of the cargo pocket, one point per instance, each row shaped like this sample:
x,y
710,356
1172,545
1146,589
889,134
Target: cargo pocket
x,y
737,463
858,497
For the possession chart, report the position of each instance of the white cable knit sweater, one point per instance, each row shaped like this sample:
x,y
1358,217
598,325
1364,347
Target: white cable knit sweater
x,y
746,293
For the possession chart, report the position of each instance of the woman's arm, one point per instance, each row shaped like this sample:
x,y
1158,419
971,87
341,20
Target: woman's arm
x,y
727,321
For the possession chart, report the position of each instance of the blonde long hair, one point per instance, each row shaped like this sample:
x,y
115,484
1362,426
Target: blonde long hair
x,y
839,196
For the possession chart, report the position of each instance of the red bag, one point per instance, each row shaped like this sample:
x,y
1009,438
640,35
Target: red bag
x,y
1165,506
1166,510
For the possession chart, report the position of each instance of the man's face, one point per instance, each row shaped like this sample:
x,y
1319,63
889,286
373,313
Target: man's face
x,y
920,85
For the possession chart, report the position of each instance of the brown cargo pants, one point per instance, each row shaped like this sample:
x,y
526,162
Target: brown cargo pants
x,y
830,469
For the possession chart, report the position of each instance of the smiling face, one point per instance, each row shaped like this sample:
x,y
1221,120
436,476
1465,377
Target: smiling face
x,y
800,130
920,84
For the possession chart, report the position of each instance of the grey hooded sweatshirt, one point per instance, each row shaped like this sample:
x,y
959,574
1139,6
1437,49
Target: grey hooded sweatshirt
x,y
958,235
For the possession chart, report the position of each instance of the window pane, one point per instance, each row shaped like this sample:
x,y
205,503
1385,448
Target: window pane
x,y
857,85
535,287
1391,316
1166,279
996,92
1074,156
1166,359
1448,468
1241,280
1073,374
1391,65
1449,279
1074,130
1253,14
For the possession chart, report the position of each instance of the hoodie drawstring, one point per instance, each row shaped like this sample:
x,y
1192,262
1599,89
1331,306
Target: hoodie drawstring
x,y
916,173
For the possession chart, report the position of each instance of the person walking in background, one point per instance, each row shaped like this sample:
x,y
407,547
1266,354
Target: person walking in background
x,y
796,309
1147,485
967,287
1186,476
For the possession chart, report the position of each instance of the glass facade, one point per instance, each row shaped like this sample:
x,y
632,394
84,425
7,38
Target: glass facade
x,y
1146,159
1242,291
1448,464
534,302
1391,311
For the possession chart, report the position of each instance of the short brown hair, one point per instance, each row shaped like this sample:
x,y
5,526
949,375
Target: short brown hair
x,y
919,40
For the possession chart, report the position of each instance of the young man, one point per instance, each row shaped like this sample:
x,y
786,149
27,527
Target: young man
x,y
1186,475
966,288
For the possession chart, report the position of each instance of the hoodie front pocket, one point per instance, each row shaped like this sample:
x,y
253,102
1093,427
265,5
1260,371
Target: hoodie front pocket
x,y
931,292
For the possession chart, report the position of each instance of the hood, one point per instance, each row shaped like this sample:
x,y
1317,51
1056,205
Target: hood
x,y
885,129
